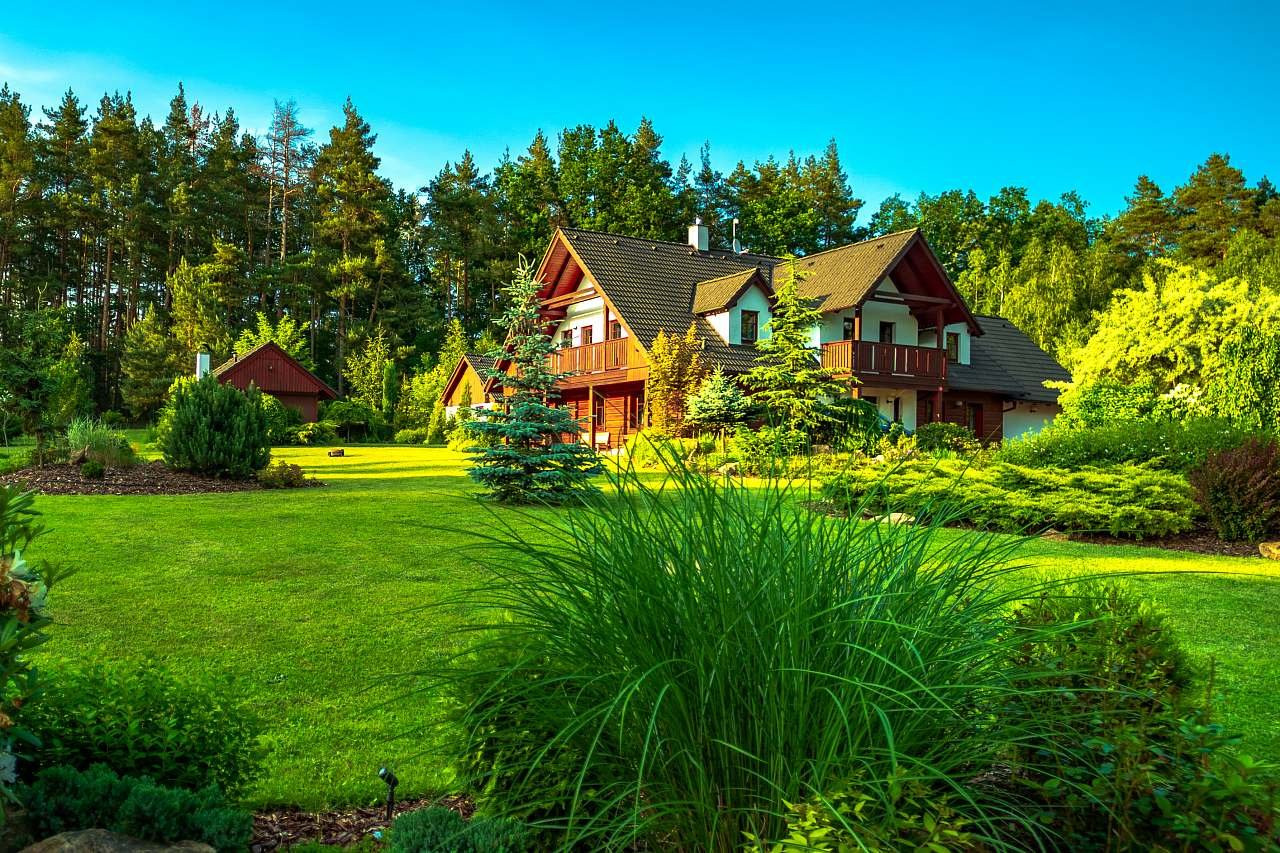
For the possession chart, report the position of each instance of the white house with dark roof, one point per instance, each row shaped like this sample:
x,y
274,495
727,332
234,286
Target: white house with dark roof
x,y
892,320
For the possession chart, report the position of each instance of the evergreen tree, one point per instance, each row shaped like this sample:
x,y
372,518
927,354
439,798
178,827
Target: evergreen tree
x,y
150,361
789,381
364,372
534,454
1211,207
718,405
284,333
675,372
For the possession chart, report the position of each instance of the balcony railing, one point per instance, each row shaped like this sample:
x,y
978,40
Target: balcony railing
x,y
874,360
592,358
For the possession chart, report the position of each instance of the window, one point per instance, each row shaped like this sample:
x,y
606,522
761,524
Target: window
x,y
887,330
953,347
586,335
615,330
566,338
750,326
597,413
875,401
897,409
848,328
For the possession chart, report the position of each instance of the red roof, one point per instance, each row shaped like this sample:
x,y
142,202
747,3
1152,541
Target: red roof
x,y
273,371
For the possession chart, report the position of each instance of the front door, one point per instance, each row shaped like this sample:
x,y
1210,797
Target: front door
x,y
973,418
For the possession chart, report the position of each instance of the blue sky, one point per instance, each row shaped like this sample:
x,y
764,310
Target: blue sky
x,y
919,96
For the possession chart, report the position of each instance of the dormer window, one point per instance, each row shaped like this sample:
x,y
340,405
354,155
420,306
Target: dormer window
x,y
953,347
750,326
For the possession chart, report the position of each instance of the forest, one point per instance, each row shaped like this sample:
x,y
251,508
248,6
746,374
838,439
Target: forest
x,y
127,244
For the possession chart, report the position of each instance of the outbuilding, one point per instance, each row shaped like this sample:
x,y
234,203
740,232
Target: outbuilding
x,y
279,374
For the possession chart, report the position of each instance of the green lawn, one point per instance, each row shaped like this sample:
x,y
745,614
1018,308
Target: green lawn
x,y
311,602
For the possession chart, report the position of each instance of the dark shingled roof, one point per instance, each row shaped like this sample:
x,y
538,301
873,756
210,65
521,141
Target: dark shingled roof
x,y
1005,361
651,283
840,278
481,363
717,294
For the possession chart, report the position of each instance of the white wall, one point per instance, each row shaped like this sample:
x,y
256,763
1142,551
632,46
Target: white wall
x,y
587,313
929,339
884,402
728,324
1028,418
906,330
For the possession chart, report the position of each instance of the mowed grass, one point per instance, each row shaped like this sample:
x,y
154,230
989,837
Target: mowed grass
x,y
313,603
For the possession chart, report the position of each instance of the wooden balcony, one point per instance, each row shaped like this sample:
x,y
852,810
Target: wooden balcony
x,y
603,357
887,364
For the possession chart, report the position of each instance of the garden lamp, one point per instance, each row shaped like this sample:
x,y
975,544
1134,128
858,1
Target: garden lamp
x,y
390,778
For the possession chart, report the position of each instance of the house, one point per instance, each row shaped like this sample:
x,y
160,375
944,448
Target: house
x,y
279,374
891,319
470,379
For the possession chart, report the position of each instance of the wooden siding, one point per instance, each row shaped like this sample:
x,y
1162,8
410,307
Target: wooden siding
x,y
959,407
612,409
872,361
470,379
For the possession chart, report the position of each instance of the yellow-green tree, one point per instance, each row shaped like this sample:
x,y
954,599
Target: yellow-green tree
x,y
675,372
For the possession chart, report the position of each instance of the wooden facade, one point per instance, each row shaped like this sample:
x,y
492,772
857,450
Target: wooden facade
x,y
279,374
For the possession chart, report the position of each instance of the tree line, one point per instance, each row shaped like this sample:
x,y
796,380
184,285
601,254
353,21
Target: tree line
x,y
149,241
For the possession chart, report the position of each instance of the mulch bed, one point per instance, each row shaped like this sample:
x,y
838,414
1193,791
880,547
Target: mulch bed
x,y
1197,542
151,478
286,827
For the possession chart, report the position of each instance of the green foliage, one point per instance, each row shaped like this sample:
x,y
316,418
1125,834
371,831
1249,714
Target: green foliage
x,y
647,449
769,449
354,419
912,816
683,659
789,381
24,616
285,333
1246,385
143,721
366,372
282,421
533,453
282,475
151,360
99,443
1132,763
214,429
63,799
35,372
943,435
438,829
315,434
1107,401
675,373
718,405
1123,500
1153,442
92,470
1239,490
417,435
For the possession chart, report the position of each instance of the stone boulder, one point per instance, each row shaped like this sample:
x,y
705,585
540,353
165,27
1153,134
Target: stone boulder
x,y
897,518
102,841
1270,550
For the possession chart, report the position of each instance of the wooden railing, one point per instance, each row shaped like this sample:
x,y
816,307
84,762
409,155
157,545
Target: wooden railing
x,y
592,358
874,360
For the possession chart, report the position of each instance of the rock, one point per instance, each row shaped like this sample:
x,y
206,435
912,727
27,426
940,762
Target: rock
x,y
79,457
897,518
728,469
1270,550
1055,535
102,841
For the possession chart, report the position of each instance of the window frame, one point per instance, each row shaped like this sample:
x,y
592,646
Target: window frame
x,y
755,326
892,328
587,334
953,355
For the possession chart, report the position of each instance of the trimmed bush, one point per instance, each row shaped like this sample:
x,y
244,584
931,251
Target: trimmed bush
x,y
143,721
414,435
282,475
1239,490
1161,443
214,429
63,799
92,470
316,434
943,435
1123,500
282,421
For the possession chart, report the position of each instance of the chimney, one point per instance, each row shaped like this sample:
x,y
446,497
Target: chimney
x,y
699,235
202,364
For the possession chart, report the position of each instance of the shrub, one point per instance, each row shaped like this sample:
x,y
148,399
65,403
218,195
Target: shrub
x,y
1123,500
680,660
143,721
354,420
63,799
1133,764
646,449
99,443
1239,490
214,429
943,435
282,421
1161,443
24,589
316,434
440,829
768,450
282,475
414,435
112,419
92,470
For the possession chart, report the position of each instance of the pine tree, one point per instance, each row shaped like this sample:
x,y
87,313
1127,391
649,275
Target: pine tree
x,y
1146,226
789,381
718,405
284,333
1213,204
534,454
150,361
675,372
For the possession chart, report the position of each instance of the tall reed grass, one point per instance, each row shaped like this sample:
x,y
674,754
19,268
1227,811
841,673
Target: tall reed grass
x,y
100,443
674,663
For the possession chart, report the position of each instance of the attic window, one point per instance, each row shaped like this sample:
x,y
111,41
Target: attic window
x,y
750,326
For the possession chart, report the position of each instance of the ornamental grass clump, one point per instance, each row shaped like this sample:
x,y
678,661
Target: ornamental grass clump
x,y
679,662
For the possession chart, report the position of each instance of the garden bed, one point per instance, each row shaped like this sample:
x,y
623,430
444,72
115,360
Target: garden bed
x,y
151,478
281,828
1195,541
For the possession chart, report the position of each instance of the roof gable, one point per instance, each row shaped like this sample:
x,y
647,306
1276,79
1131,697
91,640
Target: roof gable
x,y
273,371
718,294
481,365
